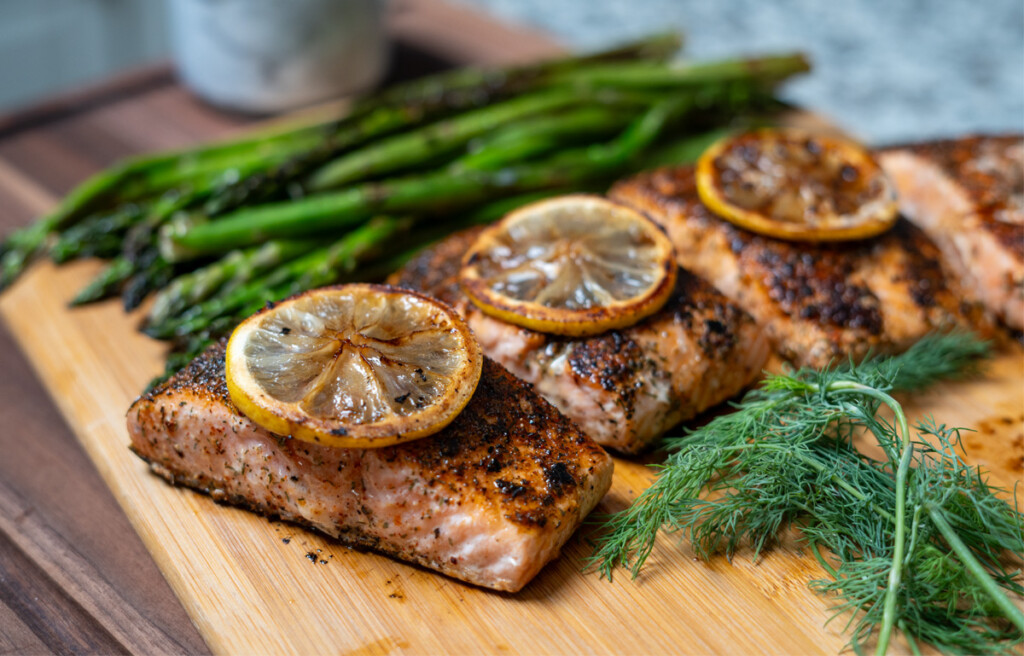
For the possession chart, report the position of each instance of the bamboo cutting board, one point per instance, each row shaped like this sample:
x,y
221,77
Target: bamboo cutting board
x,y
253,586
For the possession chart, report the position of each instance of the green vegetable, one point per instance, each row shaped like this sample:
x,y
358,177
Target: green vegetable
x,y
410,148
481,83
645,74
223,276
94,235
542,135
919,540
429,193
319,267
107,282
442,152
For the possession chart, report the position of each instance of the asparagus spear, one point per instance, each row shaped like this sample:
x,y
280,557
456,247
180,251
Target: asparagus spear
x,y
154,274
259,185
188,347
411,148
684,150
203,167
317,269
150,175
314,269
128,181
19,248
273,182
643,74
532,137
428,142
485,82
100,234
231,271
447,189
410,103
107,282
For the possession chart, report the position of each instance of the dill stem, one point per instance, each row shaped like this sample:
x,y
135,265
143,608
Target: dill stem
x,y
900,530
896,571
1011,612
910,639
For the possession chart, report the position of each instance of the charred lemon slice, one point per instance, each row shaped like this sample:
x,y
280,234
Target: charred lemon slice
x,y
353,366
795,185
574,265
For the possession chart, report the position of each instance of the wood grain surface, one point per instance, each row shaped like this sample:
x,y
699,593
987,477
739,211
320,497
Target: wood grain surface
x,y
72,568
253,586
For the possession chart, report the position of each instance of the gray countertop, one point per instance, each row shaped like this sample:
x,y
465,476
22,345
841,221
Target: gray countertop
x,y
884,70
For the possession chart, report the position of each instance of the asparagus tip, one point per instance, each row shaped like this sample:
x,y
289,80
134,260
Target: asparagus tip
x,y
90,294
12,265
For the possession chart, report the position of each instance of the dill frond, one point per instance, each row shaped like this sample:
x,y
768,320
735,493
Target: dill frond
x,y
917,541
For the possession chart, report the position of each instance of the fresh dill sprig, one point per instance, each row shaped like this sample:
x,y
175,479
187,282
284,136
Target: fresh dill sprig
x,y
916,541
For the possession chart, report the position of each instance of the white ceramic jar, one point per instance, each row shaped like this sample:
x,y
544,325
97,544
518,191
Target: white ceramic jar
x,y
271,55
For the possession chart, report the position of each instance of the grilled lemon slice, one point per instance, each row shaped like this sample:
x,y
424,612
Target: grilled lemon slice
x,y
575,265
794,185
353,366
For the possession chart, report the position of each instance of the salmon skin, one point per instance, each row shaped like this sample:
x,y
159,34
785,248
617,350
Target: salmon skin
x,y
489,500
818,303
625,387
968,196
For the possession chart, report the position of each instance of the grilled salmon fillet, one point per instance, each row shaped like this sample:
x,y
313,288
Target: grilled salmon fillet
x,y
817,303
624,387
489,500
968,197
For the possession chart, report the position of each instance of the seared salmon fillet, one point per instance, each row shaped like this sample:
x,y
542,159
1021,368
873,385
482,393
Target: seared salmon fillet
x,y
968,197
818,303
489,500
624,387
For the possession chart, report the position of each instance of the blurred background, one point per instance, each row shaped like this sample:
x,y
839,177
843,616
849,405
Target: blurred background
x,y
885,70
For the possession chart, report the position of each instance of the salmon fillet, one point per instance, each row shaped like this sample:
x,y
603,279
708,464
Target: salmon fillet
x,y
489,500
818,303
968,196
624,387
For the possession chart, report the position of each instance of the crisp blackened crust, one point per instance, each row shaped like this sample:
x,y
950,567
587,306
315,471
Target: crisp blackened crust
x,y
624,387
694,302
706,313
203,377
645,371
964,160
923,275
508,449
990,170
816,302
481,451
809,282
614,360
819,283
435,270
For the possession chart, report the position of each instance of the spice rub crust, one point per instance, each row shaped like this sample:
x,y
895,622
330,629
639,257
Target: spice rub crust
x,y
818,303
967,195
489,500
623,387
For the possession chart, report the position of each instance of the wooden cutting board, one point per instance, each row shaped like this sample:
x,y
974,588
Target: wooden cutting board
x,y
253,586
